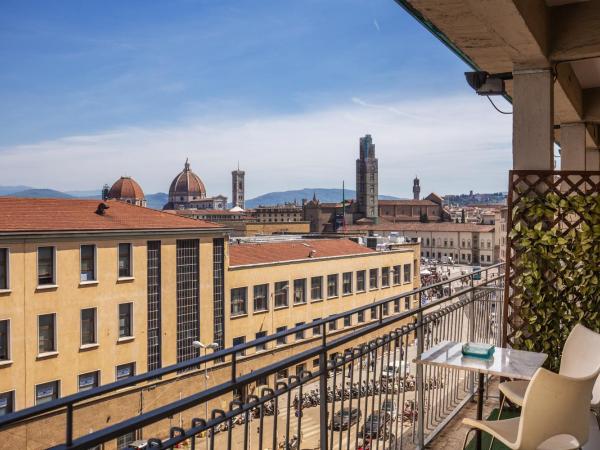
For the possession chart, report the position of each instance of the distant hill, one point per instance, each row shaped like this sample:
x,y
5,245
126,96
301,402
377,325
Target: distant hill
x,y
41,193
324,195
96,193
8,190
157,201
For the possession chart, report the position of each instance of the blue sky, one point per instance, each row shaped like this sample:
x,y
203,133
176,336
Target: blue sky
x,y
282,86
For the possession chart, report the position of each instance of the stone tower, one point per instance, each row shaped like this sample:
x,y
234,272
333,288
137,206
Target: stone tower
x,y
416,189
237,187
367,180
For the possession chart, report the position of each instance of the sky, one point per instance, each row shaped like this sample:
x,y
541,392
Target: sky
x,y
93,90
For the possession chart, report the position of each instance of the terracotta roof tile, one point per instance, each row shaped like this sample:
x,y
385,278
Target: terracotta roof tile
x,y
407,202
271,252
44,214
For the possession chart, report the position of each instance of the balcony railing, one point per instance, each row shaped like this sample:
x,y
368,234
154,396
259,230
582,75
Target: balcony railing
x,y
365,371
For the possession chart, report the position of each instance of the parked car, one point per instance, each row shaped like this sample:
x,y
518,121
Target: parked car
x,y
140,444
346,418
376,425
395,370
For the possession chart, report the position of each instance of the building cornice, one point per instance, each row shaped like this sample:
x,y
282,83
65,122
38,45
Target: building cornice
x,y
34,235
318,259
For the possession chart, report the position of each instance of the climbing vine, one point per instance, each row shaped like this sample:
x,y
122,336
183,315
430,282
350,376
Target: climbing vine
x,y
556,249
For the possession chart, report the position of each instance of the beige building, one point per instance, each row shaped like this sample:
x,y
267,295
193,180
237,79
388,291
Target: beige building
x,y
95,292
278,285
91,295
465,243
278,213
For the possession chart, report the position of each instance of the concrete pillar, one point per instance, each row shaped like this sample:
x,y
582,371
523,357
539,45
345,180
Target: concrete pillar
x,y
572,143
592,159
533,120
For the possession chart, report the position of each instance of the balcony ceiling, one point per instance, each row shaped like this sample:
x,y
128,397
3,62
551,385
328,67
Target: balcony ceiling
x,y
507,35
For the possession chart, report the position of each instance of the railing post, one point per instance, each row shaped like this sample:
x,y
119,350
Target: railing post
x,y
420,390
471,328
323,392
69,425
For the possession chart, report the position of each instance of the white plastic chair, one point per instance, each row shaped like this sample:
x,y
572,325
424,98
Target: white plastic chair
x,y
580,357
554,415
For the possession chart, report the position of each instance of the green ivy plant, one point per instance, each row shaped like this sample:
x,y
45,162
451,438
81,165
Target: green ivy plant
x,y
557,276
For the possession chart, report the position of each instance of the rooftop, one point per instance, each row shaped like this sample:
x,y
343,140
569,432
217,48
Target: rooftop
x,y
420,226
296,250
61,215
407,202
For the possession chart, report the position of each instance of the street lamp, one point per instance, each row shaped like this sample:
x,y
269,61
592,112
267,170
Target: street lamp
x,y
212,346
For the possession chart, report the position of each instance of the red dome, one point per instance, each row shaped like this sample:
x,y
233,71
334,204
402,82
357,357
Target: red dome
x,y
126,188
187,183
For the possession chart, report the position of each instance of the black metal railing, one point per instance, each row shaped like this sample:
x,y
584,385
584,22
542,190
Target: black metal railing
x,y
363,387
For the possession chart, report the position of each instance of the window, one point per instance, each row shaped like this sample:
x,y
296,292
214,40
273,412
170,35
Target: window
x,y
397,274
361,317
47,392
407,303
373,278
385,277
125,371
89,381
88,326
46,272
88,263
239,341
238,301
46,333
125,324
4,340
397,305
282,374
451,243
281,294
360,281
7,402
316,288
406,273
300,368
373,312
300,291
261,297
332,285
125,261
283,339
317,328
259,335
315,362
347,283
386,309
4,277
300,333
347,321
124,441
333,325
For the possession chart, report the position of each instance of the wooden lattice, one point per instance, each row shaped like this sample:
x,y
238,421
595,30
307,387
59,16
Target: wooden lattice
x,y
525,185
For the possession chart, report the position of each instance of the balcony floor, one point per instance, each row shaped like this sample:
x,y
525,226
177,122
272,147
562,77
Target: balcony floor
x,y
453,435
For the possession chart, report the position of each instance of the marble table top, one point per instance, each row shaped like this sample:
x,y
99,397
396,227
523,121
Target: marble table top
x,y
505,362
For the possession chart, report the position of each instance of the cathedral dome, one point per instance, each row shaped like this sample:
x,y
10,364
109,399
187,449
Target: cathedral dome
x,y
187,185
128,190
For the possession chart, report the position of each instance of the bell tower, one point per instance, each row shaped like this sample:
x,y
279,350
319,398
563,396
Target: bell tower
x,y
416,189
367,180
238,188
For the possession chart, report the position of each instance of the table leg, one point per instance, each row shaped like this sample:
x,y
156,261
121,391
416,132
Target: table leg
x,y
479,407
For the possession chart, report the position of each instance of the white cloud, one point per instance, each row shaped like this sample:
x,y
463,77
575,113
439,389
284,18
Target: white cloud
x,y
454,144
